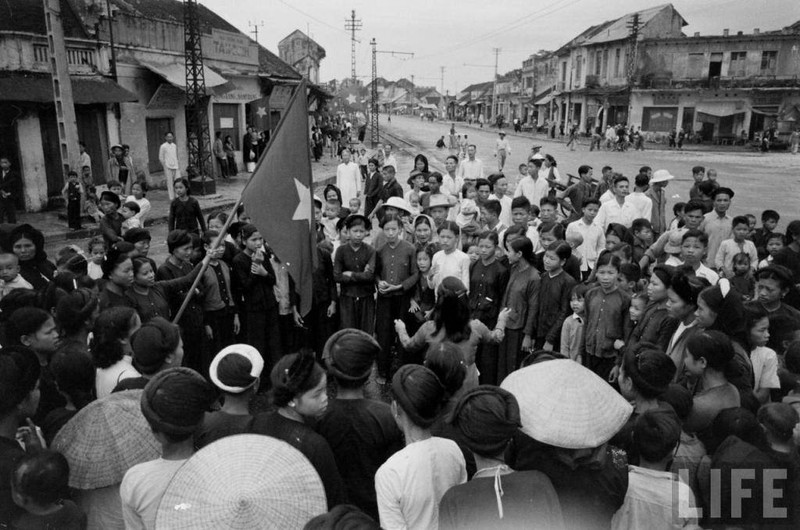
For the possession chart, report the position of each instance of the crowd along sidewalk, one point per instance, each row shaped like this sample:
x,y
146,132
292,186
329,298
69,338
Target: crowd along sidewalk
x,y
53,223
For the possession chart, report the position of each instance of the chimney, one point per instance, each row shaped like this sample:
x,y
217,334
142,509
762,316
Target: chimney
x,y
696,33
740,32
726,32
756,31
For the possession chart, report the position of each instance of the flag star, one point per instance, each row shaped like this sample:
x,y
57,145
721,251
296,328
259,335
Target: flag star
x,y
262,111
352,99
303,211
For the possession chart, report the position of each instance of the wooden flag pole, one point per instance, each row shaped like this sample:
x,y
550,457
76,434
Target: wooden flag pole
x,y
199,278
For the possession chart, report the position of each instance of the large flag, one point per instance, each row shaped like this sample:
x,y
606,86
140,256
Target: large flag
x,y
279,197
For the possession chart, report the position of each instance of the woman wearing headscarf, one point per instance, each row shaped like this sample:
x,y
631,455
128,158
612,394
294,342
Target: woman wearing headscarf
x,y
300,394
452,323
412,482
655,325
681,306
720,308
236,372
28,244
496,497
773,284
362,432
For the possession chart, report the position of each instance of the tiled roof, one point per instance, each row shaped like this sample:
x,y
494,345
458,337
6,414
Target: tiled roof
x,y
172,10
27,16
271,64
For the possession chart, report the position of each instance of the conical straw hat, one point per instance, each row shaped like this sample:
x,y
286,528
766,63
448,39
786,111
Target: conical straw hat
x,y
566,405
246,481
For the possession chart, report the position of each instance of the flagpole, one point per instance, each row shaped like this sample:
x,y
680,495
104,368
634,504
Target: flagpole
x,y
223,232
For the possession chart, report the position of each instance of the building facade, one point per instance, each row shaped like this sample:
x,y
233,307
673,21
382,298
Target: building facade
x,y
303,54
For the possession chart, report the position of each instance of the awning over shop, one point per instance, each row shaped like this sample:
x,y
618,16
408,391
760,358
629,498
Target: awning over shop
x,y
428,106
721,108
175,73
766,110
790,114
38,88
544,100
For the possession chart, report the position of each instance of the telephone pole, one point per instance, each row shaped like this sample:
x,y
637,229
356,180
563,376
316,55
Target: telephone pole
x,y
441,68
494,87
254,31
352,25
633,49
198,135
373,120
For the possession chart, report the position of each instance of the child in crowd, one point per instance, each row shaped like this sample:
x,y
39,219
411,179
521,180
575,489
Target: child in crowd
x,y
414,203
594,240
642,238
10,277
97,253
763,359
111,222
736,245
129,211
677,215
775,243
769,220
673,249
330,218
184,210
395,276
629,278
655,496
635,312
73,195
450,260
572,346
474,254
40,486
115,187
490,216
220,315
355,205
751,225
138,193
521,216
91,206
354,271
606,318
743,279
423,298
694,246
487,284
624,252
86,177
553,303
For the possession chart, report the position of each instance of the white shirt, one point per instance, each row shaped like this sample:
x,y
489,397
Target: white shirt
x,y
106,379
650,501
142,489
505,212
533,190
642,203
95,271
607,195
470,169
454,264
412,482
704,272
765,368
594,241
613,212
348,180
144,207
452,186
502,144
168,155
390,161
84,160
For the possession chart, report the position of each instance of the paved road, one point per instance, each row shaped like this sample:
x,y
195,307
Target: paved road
x,y
760,181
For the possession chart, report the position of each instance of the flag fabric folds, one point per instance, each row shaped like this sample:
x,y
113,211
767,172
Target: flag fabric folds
x,y
279,199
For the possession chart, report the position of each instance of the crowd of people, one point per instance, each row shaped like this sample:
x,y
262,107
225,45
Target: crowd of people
x,y
482,350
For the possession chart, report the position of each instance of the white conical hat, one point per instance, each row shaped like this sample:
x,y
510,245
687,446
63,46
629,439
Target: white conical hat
x,y
566,405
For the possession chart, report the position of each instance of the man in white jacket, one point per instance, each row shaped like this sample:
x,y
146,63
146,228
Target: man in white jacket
x,y
168,156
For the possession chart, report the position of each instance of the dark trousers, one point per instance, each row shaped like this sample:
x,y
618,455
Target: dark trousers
x,y
7,210
320,327
232,169
387,310
486,361
73,214
264,334
223,167
600,365
289,333
508,353
357,312
221,323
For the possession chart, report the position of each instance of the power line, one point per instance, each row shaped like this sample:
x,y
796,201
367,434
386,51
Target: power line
x,y
312,17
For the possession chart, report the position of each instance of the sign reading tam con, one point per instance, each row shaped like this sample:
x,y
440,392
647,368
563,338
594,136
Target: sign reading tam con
x,y
232,47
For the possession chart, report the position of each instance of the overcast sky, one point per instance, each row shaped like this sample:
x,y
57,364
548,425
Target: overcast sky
x,y
454,33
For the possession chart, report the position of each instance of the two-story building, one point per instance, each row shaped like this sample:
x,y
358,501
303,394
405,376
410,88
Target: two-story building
x,y
303,54
726,88
508,93
144,101
475,101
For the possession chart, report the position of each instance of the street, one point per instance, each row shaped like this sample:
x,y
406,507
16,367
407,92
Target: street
x,y
761,181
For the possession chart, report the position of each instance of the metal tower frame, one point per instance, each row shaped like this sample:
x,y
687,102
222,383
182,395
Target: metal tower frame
x,y
198,135
373,118
352,25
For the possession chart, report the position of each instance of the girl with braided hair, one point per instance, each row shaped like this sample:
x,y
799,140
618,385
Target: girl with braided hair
x,y
300,393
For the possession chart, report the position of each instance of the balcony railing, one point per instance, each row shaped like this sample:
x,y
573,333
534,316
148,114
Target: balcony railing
x,y
75,56
719,83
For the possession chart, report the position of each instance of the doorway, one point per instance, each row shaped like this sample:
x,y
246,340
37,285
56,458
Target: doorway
x,y
92,131
156,129
715,67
